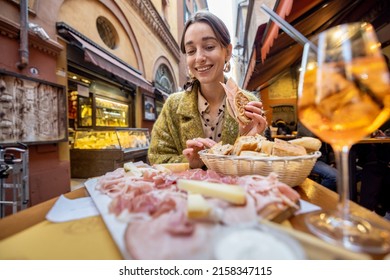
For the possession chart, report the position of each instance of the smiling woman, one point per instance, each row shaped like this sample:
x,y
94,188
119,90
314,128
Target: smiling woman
x,y
197,118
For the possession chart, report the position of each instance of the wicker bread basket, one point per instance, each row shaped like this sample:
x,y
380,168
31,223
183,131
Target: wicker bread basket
x,y
292,170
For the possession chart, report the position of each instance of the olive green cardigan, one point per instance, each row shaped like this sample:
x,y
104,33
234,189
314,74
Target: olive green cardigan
x,y
180,121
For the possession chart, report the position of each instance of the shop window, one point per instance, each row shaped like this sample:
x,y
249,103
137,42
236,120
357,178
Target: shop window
x,y
164,79
107,32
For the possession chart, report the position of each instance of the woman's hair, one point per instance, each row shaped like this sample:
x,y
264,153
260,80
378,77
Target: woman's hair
x,y
216,24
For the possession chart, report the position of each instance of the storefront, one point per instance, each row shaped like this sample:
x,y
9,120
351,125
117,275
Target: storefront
x,y
113,49
102,98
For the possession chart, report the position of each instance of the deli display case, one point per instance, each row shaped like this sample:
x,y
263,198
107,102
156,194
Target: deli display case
x,y
96,152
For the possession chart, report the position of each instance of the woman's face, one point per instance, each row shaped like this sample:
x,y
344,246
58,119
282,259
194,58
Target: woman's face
x,y
205,54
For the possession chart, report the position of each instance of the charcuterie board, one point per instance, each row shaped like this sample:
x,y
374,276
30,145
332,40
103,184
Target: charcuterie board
x,y
124,230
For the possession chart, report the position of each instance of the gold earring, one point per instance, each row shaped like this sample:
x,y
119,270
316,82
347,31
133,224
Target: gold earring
x,y
227,67
188,85
190,75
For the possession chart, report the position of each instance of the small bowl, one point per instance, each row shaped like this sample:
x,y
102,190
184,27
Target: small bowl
x,y
256,242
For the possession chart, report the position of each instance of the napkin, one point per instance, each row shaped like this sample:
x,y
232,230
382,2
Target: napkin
x,y
306,207
65,209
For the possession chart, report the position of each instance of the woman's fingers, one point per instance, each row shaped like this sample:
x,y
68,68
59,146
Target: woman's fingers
x,y
202,143
193,147
256,126
207,143
255,107
188,153
193,158
254,110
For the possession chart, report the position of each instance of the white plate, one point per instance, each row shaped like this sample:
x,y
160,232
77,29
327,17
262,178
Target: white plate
x,y
115,227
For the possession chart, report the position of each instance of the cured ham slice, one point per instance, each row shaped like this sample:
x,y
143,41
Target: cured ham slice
x,y
153,204
243,214
272,197
153,240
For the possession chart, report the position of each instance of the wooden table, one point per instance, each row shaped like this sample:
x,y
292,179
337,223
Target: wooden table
x,y
377,140
22,222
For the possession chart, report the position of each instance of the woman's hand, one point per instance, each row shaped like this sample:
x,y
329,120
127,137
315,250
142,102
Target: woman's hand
x,y
193,147
254,111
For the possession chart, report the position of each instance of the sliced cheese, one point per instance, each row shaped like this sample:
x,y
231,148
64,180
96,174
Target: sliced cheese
x,y
231,193
197,206
175,167
132,168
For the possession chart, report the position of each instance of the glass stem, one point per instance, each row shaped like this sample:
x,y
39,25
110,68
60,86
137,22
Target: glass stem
x,y
342,164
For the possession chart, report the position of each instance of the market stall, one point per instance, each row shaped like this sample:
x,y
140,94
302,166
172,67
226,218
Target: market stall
x,y
96,152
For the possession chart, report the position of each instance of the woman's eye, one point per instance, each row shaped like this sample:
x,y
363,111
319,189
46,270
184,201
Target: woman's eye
x,y
210,48
190,52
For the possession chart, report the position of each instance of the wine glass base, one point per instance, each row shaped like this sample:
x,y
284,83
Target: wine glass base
x,y
353,233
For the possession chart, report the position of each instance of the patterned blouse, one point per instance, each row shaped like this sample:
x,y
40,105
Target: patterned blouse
x,y
212,124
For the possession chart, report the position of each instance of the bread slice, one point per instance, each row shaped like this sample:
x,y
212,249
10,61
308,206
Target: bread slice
x,y
266,147
252,154
260,137
284,148
220,149
240,100
311,144
245,143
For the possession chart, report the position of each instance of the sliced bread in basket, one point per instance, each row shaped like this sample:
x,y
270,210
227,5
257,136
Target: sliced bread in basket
x,y
283,148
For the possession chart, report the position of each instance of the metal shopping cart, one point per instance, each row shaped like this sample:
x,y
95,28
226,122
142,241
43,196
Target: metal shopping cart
x,y
14,187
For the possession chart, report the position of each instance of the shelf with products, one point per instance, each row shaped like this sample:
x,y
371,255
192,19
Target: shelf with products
x,y
107,113
84,105
111,113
